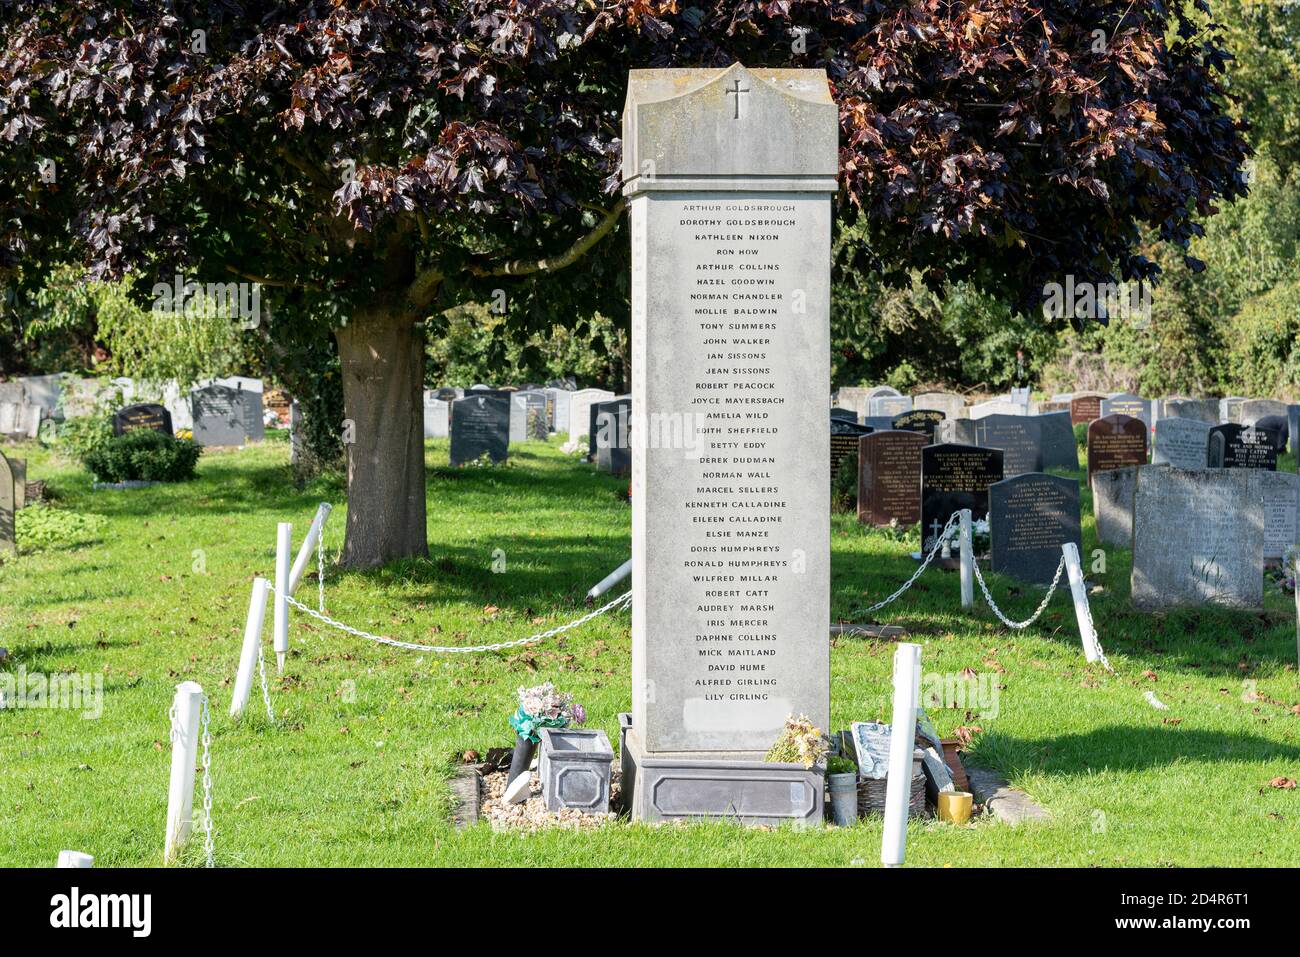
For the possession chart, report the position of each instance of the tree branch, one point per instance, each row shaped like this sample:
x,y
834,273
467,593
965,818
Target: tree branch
x,y
265,281
524,267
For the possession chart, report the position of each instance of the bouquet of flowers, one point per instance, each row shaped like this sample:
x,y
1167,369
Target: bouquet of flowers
x,y
543,707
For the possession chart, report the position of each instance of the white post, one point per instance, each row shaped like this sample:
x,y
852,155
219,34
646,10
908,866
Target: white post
x,y
902,742
610,580
75,859
1296,579
185,749
309,545
283,546
967,562
252,642
1080,595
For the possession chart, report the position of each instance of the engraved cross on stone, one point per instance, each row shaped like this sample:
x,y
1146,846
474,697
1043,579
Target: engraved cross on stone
x,y
737,91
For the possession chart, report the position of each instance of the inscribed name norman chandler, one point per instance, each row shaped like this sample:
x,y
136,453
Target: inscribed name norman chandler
x,y
730,316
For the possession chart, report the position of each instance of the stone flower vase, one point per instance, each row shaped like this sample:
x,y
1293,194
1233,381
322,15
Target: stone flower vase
x,y
844,798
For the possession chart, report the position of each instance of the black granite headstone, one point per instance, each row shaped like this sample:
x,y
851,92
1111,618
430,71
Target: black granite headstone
x,y
150,416
219,416
919,420
1242,447
1060,451
613,437
844,442
1018,436
1030,517
480,424
954,477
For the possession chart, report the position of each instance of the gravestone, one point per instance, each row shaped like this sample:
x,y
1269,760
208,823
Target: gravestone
x,y
956,432
952,405
1112,504
19,468
1199,410
889,477
844,442
43,391
1230,409
1084,407
1252,410
278,401
1181,443
449,393
1115,441
537,423
1198,538
889,406
1234,446
250,404
1125,403
919,420
1018,436
518,419
480,425
80,397
149,416
595,412
1030,517
8,506
561,403
1060,451
218,415
847,415
730,226
437,416
8,418
580,410
954,477
855,398
1293,427
613,436
1279,494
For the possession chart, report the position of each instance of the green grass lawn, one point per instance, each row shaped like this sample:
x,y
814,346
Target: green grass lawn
x,y
355,770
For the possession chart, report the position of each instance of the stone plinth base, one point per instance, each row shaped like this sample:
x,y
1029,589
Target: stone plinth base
x,y
734,786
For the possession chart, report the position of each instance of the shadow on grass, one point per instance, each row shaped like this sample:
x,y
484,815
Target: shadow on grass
x,y
1125,748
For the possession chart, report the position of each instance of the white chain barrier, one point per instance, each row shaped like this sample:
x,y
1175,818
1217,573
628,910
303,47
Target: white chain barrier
x,y
939,541
266,692
191,725
208,845
1042,606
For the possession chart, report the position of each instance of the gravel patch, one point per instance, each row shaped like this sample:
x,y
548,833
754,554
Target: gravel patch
x,y
531,815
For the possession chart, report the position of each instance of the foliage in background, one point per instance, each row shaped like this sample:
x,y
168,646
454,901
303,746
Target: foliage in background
x,y
471,344
76,439
144,455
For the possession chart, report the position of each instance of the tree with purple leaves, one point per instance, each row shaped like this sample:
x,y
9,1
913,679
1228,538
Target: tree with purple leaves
x,y
373,163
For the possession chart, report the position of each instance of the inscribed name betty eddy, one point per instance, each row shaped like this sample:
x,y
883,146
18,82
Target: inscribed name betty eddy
x,y
730,175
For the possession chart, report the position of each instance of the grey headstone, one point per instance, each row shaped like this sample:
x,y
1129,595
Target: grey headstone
x,y
1198,538
1181,443
1293,427
561,402
1200,410
1030,517
1125,403
1252,410
1230,409
219,416
996,407
889,406
580,409
437,417
480,425
8,506
1060,451
1112,504
1279,493
1018,436
952,405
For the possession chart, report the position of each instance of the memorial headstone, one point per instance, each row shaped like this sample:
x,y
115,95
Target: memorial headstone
x,y
1018,436
1181,443
730,234
1234,446
480,425
919,420
1293,427
956,432
855,398
150,416
952,405
1279,494
844,442
1060,451
848,415
1199,410
437,416
1084,407
1198,538
218,415
613,436
537,423
889,406
1115,441
580,410
1030,517
1252,410
1112,504
1125,403
561,403
1230,409
1277,427
8,418
1001,406
954,477
889,477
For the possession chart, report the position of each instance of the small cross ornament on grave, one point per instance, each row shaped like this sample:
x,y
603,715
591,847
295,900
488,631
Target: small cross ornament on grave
x,y
736,91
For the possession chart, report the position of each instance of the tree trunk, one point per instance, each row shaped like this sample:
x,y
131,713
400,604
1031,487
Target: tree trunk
x,y
382,358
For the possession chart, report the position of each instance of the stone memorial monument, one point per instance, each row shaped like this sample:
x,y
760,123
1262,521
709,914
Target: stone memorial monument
x,y
730,175
889,477
1030,517
1115,441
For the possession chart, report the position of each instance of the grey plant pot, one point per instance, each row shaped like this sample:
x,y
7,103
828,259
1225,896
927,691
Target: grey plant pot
x,y
844,798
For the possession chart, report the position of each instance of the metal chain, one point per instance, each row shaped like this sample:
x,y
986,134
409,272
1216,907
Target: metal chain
x,y
320,567
207,783
938,543
266,693
1060,567
622,599
1096,639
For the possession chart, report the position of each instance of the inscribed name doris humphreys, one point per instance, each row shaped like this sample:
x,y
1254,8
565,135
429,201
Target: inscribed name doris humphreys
x,y
730,341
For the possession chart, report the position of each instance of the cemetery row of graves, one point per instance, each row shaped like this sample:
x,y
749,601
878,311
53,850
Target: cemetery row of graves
x,y
1179,506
